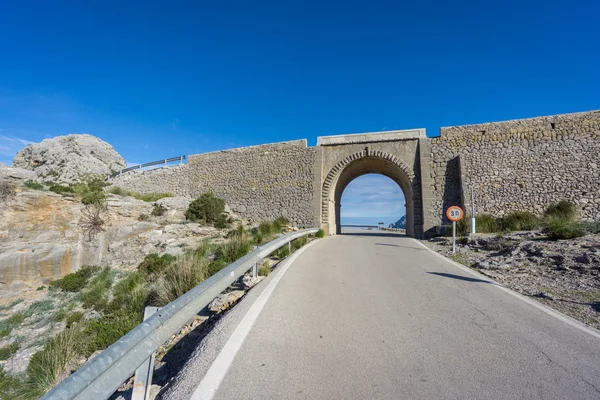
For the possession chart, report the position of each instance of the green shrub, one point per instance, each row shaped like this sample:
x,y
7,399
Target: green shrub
x,y
556,227
75,281
320,233
520,221
486,223
279,223
143,217
8,386
205,208
563,209
130,294
103,332
180,276
592,227
266,228
264,270
60,189
297,243
118,191
33,185
96,296
221,222
153,263
158,210
39,307
8,351
59,315
148,197
281,252
74,318
91,189
258,238
47,365
234,249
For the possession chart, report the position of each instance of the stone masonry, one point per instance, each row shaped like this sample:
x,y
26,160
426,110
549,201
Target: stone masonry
x,y
519,165
514,165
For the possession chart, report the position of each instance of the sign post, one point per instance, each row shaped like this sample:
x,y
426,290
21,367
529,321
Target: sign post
x,y
454,213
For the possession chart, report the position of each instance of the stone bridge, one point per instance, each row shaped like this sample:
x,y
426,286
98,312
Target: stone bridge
x,y
511,166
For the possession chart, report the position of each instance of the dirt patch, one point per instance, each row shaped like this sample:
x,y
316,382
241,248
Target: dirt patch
x,y
564,274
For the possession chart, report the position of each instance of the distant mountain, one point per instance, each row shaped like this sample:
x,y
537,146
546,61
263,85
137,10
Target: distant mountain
x,y
400,224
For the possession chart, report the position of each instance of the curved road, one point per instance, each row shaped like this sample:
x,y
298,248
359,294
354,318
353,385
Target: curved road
x,y
367,316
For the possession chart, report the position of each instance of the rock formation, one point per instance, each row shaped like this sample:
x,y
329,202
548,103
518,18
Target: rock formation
x,y
64,159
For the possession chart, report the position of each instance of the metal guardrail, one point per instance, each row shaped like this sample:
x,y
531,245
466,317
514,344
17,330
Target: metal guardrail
x,y
102,376
164,161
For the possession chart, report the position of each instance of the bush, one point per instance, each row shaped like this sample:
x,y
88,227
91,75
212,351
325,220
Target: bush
x,y
74,318
281,252
205,208
258,238
234,249
279,223
48,365
103,332
158,210
130,294
556,227
563,209
486,223
8,351
591,227
520,221
148,197
143,217
221,222
8,385
297,243
264,270
60,189
320,233
153,263
33,185
91,189
39,307
93,219
183,274
75,281
266,228
96,296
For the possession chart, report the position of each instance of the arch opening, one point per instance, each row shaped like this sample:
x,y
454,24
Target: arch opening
x,y
371,200
357,165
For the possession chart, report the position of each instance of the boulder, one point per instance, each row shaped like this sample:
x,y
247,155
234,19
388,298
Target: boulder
x,y
64,159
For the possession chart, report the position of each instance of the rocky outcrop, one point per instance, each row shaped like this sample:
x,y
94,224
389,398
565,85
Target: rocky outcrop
x,y
41,238
64,159
12,173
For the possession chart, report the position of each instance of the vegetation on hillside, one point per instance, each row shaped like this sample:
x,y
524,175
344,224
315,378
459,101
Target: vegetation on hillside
x,y
148,197
559,221
98,305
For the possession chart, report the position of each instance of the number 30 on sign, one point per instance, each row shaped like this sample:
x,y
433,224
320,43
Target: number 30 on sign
x,y
454,213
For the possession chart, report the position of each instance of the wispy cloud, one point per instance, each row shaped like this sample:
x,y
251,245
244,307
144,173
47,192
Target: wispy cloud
x,y
175,123
10,145
373,196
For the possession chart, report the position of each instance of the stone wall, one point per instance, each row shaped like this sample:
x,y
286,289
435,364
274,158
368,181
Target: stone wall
x,y
260,182
175,179
520,165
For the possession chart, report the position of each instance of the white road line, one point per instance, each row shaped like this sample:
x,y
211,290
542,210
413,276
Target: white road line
x,y
556,314
209,385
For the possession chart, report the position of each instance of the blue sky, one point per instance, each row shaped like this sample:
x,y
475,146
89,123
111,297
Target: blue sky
x,y
160,79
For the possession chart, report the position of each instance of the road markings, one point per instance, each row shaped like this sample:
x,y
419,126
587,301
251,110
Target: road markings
x,y
209,385
556,314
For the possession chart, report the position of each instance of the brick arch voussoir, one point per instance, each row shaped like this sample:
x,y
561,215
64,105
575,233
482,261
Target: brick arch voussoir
x,y
339,167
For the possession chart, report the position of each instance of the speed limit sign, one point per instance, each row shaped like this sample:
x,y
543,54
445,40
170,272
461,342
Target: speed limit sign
x,y
454,213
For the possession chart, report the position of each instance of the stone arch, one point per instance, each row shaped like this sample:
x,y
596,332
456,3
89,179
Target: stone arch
x,y
361,163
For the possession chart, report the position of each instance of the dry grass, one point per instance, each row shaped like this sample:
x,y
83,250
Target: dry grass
x,y
93,220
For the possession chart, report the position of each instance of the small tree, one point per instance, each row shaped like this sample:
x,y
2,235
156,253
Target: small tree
x,y
206,208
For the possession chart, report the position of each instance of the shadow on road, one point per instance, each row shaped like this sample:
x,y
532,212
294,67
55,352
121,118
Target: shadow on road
x,y
459,277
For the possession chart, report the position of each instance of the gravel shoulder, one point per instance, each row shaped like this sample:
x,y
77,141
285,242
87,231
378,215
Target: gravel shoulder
x,y
564,275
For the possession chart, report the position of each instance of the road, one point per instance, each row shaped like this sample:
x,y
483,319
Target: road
x,y
367,316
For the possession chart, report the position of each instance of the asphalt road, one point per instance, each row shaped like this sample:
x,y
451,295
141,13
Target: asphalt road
x,y
380,317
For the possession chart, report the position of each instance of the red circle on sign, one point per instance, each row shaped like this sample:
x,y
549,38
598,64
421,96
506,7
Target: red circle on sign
x,y
455,213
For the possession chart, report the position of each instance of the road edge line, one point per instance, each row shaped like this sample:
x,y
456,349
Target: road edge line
x,y
211,382
550,311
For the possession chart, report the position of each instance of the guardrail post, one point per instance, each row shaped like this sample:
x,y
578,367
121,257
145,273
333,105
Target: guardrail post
x,y
290,247
180,159
165,162
143,375
255,270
